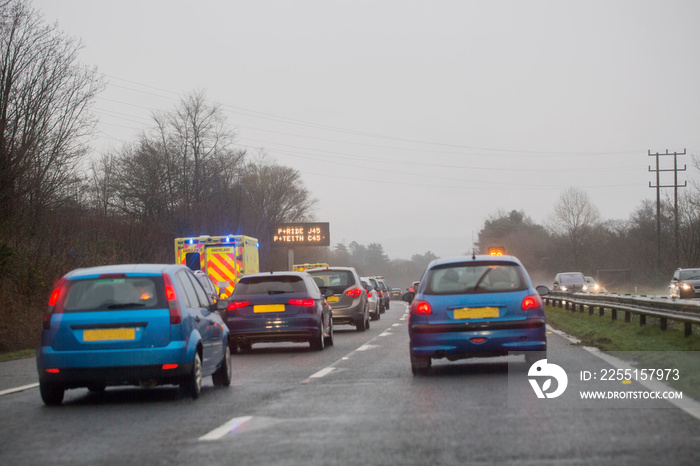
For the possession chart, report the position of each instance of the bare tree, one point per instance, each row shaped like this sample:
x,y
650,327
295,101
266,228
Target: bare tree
x,y
573,219
45,97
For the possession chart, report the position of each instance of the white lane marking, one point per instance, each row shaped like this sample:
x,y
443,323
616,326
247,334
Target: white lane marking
x,y
18,389
385,334
322,372
396,325
365,347
224,429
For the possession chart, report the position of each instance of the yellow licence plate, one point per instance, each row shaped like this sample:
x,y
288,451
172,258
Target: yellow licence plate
x,y
333,299
268,308
476,312
109,334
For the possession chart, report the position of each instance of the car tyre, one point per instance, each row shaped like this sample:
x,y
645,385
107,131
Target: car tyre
x,y
51,393
222,376
330,340
420,366
319,342
97,387
192,385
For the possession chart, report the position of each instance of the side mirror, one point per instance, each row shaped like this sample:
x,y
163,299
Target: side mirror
x,y
408,297
542,290
221,305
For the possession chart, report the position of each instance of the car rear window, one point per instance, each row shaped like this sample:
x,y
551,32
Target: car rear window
x,y
270,285
103,294
475,277
337,280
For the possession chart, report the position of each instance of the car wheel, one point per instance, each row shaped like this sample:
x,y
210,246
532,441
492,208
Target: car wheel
x,y
420,366
360,325
245,347
51,393
222,376
319,342
192,385
330,338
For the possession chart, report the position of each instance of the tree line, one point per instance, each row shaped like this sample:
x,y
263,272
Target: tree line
x,y
62,207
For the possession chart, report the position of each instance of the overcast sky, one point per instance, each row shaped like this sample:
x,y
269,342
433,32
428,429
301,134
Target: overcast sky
x,y
414,121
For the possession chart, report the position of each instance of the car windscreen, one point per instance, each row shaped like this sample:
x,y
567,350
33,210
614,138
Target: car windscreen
x,y
268,285
690,274
103,294
475,277
571,278
337,280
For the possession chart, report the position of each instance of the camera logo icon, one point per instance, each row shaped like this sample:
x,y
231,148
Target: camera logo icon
x,y
542,369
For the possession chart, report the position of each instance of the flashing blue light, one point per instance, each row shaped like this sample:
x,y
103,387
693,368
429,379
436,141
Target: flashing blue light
x,y
257,245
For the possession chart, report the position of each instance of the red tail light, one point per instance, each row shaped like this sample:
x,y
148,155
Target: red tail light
x,y
173,305
369,293
52,302
233,305
169,366
422,308
354,293
531,302
307,302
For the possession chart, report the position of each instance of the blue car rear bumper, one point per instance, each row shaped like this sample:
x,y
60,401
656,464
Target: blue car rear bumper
x,y
462,340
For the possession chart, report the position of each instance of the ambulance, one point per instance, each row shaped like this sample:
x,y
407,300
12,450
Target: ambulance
x,y
225,259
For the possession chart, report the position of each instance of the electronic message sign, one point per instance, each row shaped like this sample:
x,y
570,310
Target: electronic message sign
x,y
301,234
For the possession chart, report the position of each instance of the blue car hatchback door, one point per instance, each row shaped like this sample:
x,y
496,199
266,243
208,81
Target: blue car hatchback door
x,y
479,306
139,324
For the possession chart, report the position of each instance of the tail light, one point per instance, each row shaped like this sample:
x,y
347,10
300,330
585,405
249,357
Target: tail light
x,y
369,293
55,294
354,292
421,308
233,305
307,302
531,302
173,305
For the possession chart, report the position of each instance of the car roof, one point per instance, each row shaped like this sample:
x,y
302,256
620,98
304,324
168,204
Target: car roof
x,y
320,269
474,258
281,273
135,269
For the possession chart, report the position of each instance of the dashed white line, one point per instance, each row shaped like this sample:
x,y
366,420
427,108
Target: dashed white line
x,y
18,389
224,429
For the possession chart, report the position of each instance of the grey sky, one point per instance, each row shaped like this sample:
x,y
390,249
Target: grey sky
x,y
413,121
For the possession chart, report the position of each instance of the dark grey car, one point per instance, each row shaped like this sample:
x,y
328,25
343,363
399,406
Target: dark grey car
x,y
685,284
349,299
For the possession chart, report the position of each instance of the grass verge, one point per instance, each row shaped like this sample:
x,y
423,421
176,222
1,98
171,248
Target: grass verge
x,y
17,355
642,342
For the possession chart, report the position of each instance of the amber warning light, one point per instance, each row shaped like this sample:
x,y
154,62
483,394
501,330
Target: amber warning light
x,y
497,250
301,234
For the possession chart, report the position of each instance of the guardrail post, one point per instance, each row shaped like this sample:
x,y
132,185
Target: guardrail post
x,y
601,311
627,316
613,314
567,306
688,329
591,309
663,323
642,319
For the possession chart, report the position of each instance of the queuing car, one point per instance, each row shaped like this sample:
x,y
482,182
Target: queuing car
x,y
478,306
276,307
207,284
414,287
685,284
380,295
372,298
349,298
592,286
386,296
569,282
395,293
145,324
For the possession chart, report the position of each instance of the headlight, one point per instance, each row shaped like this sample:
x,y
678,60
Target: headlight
x,y
563,288
597,286
685,286
584,288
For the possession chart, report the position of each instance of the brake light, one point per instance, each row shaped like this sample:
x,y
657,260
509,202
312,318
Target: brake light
x,y
354,293
55,294
531,302
173,305
233,305
307,302
422,308
169,366
369,293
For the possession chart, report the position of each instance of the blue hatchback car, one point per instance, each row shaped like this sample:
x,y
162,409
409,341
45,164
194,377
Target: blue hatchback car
x,y
131,325
478,306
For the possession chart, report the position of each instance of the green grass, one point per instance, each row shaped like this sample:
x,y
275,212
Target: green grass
x,y
644,343
17,355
